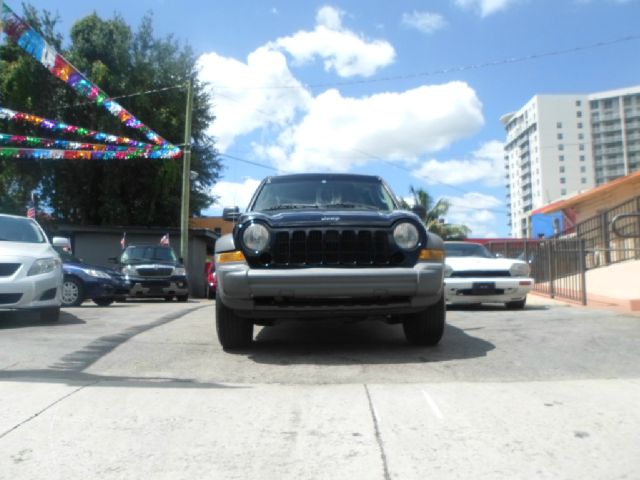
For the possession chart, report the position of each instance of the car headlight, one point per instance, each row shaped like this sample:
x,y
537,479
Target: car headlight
x,y
97,273
447,271
256,237
406,235
129,270
519,270
179,271
44,265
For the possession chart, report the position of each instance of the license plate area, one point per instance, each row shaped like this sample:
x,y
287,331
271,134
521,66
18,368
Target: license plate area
x,y
483,288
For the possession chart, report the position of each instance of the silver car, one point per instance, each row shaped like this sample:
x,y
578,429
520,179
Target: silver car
x,y
30,269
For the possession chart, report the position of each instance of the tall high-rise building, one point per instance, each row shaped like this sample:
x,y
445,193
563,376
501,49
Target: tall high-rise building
x,y
559,145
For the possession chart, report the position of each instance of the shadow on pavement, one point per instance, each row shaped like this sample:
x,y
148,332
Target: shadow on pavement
x,y
333,343
15,319
75,378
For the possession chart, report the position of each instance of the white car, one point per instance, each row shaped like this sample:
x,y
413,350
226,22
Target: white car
x,y
475,275
30,269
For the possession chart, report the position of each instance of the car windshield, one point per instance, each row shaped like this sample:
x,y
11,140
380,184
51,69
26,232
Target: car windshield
x,y
136,254
16,229
467,250
322,193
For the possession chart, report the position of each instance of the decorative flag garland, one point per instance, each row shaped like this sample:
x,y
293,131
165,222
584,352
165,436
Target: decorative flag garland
x,y
35,45
45,154
33,142
60,127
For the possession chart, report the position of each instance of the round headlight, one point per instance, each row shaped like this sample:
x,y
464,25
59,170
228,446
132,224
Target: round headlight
x,y
519,270
406,235
256,237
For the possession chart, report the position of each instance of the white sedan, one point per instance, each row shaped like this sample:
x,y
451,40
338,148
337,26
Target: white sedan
x,y
475,275
30,269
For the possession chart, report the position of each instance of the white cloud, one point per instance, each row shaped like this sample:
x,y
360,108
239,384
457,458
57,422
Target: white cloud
x,y
340,133
248,96
480,212
342,50
485,165
426,22
485,7
234,194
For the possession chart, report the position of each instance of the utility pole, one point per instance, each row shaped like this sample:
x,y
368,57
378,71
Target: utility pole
x,y
186,177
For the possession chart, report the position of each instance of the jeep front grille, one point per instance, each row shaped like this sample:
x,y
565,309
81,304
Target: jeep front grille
x,y
331,247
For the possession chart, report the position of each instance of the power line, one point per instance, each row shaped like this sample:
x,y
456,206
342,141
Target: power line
x,y
130,95
250,162
454,69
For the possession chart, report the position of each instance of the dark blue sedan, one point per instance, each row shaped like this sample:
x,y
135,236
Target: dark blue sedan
x,y
83,281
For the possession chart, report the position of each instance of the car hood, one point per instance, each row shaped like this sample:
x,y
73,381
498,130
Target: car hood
x,y
342,217
87,266
480,263
12,250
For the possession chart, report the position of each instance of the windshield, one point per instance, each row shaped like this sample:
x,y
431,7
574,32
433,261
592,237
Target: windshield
x,y
323,193
467,250
16,229
146,253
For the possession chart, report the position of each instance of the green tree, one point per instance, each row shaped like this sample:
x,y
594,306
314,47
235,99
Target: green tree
x,y
435,213
124,63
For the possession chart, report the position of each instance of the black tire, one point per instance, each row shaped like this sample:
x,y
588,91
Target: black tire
x,y
517,305
234,332
50,314
72,292
426,327
103,302
168,298
183,298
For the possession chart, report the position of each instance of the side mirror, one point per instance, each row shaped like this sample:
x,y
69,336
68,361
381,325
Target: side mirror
x,y
62,242
230,214
420,211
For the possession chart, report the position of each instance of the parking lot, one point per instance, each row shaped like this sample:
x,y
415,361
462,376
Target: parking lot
x,y
144,389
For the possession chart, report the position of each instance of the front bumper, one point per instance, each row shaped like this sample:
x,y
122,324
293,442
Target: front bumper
x,y
26,293
486,289
158,287
309,292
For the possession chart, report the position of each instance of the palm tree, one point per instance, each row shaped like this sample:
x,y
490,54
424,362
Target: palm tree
x,y
434,215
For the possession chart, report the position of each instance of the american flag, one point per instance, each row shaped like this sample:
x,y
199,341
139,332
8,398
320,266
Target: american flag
x,y
165,239
123,240
31,207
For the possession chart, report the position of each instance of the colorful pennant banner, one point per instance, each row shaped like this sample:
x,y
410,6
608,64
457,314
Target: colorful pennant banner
x,y
44,154
33,142
34,44
60,127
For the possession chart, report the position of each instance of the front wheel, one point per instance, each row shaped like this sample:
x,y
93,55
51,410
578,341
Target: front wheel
x,y
103,302
183,298
426,327
517,305
72,292
234,332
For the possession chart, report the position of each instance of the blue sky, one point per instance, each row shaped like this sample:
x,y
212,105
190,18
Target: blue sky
x,y
407,90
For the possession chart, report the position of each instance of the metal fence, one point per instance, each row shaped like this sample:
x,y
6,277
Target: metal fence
x,y
558,266
612,236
